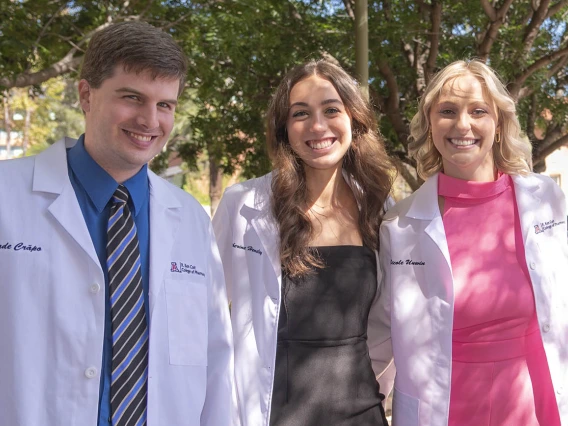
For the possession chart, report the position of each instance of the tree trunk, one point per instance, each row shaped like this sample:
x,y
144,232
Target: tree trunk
x,y
7,124
215,183
27,126
362,45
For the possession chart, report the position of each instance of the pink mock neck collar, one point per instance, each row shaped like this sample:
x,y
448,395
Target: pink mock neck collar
x,y
457,188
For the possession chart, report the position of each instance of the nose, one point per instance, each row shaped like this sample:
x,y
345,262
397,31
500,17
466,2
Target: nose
x,y
463,123
318,123
148,117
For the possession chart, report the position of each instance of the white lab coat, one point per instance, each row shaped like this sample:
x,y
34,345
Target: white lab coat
x,y
248,240
52,305
420,297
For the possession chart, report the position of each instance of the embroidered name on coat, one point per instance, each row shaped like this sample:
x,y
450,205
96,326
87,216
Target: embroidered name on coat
x,y
408,262
248,248
19,247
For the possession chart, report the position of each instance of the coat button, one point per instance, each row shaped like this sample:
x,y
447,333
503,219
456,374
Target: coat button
x,y
95,288
559,390
532,265
546,327
90,372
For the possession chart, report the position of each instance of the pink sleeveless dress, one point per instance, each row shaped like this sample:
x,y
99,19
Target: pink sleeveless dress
x,y
500,374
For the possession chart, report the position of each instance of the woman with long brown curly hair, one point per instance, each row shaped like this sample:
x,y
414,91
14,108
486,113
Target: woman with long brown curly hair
x,y
299,251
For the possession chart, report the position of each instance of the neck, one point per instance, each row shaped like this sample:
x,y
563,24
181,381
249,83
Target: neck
x,y
486,172
119,174
326,188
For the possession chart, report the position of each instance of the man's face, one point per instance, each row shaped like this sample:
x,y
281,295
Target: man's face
x,y
128,120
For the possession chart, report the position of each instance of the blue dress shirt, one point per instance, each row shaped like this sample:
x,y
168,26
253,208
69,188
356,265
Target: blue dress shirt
x,y
94,188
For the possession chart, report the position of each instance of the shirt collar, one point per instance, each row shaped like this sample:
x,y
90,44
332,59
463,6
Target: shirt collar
x,y
99,185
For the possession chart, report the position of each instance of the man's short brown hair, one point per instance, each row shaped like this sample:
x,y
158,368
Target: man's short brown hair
x,y
138,47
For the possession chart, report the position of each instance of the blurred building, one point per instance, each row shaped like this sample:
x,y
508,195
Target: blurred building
x,y
15,149
557,168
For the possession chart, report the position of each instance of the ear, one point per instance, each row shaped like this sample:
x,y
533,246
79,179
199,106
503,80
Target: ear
x,y
85,95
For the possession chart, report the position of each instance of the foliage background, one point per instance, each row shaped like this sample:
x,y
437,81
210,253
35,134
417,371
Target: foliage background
x,y
239,50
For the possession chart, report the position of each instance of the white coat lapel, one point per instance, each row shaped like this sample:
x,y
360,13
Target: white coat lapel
x,y
165,218
425,207
51,175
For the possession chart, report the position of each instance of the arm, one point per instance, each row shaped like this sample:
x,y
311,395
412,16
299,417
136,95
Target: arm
x,y
220,406
224,235
380,344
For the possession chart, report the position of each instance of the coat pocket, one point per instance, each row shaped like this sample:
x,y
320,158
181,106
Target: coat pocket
x,y
186,304
405,409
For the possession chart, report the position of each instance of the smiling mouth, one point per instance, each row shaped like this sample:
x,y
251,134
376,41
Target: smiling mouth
x,y
321,143
139,137
463,142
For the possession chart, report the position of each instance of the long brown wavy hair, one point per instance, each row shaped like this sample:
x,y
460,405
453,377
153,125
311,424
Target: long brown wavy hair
x,y
366,164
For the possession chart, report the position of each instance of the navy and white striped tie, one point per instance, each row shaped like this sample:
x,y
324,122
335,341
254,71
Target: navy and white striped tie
x,y
129,377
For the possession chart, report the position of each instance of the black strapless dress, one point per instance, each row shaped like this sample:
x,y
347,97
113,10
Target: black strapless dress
x,y
323,373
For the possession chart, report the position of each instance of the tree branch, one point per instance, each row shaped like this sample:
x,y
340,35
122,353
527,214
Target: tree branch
x,y
556,7
44,30
531,117
515,86
534,25
177,21
413,182
403,156
436,20
349,9
68,63
550,148
497,17
560,65
489,10
65,65
392,104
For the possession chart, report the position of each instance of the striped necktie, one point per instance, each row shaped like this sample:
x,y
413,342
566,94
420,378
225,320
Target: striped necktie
x,y
129,377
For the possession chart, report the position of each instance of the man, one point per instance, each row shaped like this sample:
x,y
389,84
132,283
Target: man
x,y
112,300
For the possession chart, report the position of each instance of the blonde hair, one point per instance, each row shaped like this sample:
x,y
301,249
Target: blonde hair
x,y
513,155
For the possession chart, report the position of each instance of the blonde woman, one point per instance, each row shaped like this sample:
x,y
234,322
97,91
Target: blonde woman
x,y
298,248
475,265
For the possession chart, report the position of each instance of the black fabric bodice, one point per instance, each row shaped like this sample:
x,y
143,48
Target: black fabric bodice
x,y
323,373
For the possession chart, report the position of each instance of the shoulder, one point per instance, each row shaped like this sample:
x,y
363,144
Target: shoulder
x,y
18,165
544,185
401,208
166,190
16,176
260,184
256,190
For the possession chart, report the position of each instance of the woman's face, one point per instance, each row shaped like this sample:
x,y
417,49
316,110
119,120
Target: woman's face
x,y
318,124
463,122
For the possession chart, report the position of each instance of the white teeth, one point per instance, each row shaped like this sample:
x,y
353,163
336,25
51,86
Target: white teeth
x,y
326,143
140,137
463,142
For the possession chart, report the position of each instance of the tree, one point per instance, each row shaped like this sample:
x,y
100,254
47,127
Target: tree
x,y
239,50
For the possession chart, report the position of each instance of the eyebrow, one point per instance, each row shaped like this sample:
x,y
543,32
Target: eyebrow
x,y
479,102
325,102
136,92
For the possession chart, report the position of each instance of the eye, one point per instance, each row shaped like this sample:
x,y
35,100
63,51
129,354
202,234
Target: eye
x,y
299,114
479,112
446,111
332,110
133,97
164,105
